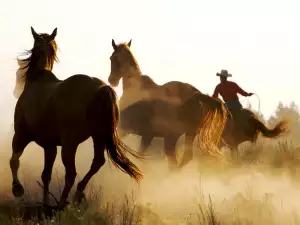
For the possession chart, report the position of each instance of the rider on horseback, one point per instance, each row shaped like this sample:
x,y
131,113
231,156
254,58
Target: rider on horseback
x,y
229,90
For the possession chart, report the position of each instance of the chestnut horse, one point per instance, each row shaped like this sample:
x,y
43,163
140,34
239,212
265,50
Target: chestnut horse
x,y
199,116
53,112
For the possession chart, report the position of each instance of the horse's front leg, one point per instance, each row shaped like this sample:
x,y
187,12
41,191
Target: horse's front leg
x,y
19,143
170,151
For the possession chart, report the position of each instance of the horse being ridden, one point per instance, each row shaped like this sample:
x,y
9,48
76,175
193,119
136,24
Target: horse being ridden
x,y
243,124
53,112
141,87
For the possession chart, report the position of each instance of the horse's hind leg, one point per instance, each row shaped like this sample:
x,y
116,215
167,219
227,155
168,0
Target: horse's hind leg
x,y
50,153
145,143
122,133
234,152
19,143
98,162
169,147
68,153
188,149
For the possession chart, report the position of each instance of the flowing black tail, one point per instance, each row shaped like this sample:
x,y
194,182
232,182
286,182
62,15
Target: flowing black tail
x,y
109,119
279,129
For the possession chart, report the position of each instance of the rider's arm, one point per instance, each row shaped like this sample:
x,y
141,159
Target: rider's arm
x,y
241,91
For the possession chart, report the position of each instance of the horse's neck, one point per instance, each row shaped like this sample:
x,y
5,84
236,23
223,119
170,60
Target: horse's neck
x,y
136,86
46,78
132,77
148,83
131,83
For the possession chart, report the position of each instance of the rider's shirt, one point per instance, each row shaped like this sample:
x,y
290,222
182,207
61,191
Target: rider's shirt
x,y
228,90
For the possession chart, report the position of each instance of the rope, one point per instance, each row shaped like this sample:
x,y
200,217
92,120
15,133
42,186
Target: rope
x,y
258,99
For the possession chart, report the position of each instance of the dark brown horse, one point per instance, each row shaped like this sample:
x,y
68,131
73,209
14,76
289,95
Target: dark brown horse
x,y
53,112
243,125
137,86
200,115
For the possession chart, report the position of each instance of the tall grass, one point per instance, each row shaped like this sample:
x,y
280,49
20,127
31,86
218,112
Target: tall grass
x,y
242,208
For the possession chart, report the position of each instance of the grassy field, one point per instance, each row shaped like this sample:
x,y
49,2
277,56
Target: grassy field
x,y
260,187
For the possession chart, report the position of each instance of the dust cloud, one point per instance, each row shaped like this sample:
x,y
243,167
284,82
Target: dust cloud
x,y
238,192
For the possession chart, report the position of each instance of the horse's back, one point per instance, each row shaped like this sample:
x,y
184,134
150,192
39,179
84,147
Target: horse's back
x,y
242,114
242,121
241,127
136,117
55,106
149,116
72,97
173,89
179,90
174,92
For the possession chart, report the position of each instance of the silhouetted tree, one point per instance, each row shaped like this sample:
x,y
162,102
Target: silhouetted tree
x,y
290,113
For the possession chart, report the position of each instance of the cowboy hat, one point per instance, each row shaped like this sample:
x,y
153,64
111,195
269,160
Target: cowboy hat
x,y
224,73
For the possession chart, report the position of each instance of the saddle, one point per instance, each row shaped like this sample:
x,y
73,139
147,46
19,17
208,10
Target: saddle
x,y
239,113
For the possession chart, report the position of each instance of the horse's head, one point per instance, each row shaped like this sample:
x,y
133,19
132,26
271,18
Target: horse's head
x,y
45,45
122,61
42,55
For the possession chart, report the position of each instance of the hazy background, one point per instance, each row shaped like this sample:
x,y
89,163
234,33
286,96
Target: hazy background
x,y
257,41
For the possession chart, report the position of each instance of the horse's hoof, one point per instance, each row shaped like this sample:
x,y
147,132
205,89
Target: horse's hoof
x,y
181,165
17,190
45,200
61,207
79,197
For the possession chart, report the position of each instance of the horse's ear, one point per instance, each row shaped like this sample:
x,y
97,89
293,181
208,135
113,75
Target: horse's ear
x,y
114,44
129,43
34,34
54,33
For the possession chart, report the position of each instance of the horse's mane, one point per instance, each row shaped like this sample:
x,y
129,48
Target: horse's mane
x,y
42,57
147,82
131,59
20,81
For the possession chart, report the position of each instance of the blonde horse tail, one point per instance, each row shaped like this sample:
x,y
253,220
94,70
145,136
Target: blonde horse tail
x,y
208,116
